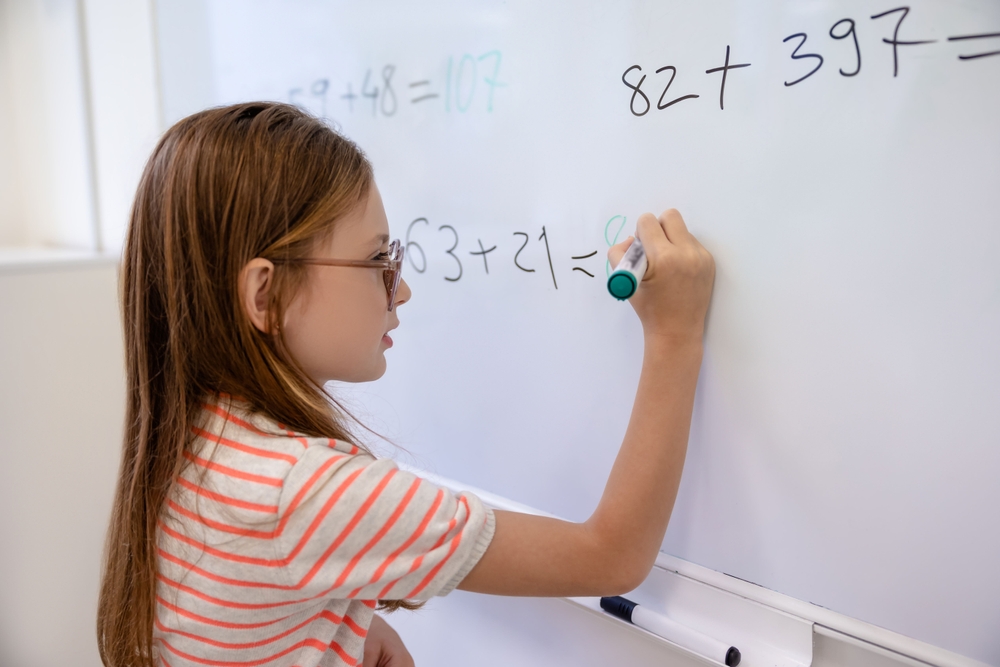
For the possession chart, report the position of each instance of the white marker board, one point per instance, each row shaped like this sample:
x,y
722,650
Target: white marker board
x,y
846,439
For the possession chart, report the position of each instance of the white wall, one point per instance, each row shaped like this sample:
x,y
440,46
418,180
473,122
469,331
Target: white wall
x,y
125,105
61,412
45,177
184,50
79,115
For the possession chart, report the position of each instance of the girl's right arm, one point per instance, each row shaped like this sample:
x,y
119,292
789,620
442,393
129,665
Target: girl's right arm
x,y
613,551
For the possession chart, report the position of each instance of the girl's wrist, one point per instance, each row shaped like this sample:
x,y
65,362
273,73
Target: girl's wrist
x,y
672,341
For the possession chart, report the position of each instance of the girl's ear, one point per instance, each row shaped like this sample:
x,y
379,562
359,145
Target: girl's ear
x,y
256,280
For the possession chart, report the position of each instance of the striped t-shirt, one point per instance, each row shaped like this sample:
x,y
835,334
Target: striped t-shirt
x,y
275,547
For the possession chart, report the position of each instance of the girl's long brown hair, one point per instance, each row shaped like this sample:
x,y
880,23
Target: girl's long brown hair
x,y
222,187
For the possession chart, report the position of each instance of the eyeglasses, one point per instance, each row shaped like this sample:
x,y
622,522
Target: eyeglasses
x,y
391,267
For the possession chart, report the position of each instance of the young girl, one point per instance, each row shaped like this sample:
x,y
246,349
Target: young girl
x,y
249,526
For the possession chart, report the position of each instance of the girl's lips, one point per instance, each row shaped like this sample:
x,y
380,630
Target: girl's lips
x,y
387,340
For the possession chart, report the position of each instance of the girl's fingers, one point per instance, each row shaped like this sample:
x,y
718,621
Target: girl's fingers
x,y
674,227
649,230
660,237
617,251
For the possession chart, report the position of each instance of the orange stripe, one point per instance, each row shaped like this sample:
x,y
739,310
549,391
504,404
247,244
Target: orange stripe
x,y
437,568
355,628
239,446
413,538
226,500
191,567
344,655
265,562
321,515
250,584
230,603
261,642
365,506
417,562
404,503
291,434
451,550
218,553
311,643
441,540
232,472
232,582
217,525
273,563
242,423
255,533
212,551
308,486
420,559
211,621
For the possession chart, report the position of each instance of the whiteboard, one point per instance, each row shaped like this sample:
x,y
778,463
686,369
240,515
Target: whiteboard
x,y
845,448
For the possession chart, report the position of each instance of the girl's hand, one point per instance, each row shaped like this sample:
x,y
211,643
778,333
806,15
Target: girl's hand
x,y
383,647
672,299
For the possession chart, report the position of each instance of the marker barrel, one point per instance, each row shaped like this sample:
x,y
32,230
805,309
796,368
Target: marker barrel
x,y
625,279
684,636
672,631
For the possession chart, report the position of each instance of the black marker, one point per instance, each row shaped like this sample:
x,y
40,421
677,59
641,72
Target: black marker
x,y
672,631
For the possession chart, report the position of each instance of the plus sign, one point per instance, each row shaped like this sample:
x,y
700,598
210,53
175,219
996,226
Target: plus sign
x,y
725,70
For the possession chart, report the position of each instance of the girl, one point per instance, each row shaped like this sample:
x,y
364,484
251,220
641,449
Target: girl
x,y
249,526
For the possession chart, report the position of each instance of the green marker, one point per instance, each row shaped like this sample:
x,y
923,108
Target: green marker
x,y
625,279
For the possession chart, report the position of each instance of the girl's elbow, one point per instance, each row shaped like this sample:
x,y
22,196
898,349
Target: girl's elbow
x,y
619,569
624,577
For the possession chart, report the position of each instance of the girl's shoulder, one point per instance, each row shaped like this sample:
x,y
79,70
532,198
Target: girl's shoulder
x,y
229,421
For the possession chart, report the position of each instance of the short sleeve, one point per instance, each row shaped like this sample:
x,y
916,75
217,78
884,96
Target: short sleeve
x,y
352,526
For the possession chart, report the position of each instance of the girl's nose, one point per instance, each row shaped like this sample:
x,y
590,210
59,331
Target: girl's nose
x,y
403,293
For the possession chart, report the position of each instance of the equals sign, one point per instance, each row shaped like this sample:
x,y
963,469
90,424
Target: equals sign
x,y
985,54
577,268
418,85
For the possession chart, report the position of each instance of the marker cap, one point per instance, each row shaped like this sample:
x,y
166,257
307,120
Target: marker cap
x,y
618,606
622,284
624,279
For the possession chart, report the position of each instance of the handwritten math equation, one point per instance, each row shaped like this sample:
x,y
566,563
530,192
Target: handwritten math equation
x,y
418,231
850,64
469,84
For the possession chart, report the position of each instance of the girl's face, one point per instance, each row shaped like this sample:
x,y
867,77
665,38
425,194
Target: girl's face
x,y
337,325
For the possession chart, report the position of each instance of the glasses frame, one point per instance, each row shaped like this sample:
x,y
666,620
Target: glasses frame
x,y
392,267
